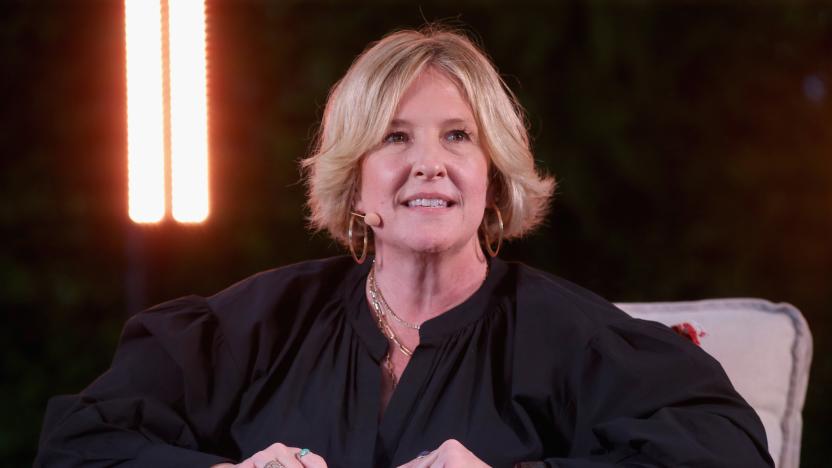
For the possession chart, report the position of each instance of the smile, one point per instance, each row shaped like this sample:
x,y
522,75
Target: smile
x,y
429,203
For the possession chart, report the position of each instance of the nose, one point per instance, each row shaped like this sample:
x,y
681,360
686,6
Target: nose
x,y
428,162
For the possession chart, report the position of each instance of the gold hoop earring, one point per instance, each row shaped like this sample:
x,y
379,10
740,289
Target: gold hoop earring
x,y
358,259
493,252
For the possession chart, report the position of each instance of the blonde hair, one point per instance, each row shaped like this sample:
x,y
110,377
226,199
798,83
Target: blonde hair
x,y
362,104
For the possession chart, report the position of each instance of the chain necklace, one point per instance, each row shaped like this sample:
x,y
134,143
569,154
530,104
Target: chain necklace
x,y
380,306
374,287
376,299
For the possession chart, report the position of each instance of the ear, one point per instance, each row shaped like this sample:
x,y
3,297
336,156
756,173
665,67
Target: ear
x,y
494,187
357,204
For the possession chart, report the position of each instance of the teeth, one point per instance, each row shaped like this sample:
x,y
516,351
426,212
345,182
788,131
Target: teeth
x,y
428,202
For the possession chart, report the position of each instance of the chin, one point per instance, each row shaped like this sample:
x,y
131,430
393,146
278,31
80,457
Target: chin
x,y
430,247
427,240
434,244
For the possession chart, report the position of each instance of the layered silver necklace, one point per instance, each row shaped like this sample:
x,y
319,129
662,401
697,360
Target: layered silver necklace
x,y
382,309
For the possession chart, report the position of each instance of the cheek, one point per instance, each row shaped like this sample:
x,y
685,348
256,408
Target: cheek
x,y
366,183
380,182
478,183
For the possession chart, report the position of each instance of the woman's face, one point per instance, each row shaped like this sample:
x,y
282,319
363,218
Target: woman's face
x,y
428,178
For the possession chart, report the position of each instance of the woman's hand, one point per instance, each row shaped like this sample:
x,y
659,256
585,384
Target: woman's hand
x,y
451,454
280,456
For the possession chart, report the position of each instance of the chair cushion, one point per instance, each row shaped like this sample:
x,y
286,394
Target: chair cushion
x,y
765,349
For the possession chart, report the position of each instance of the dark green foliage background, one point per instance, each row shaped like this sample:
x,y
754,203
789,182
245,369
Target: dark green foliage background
x,y
692,163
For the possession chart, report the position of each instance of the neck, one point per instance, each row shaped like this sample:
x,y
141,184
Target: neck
x,y
420,286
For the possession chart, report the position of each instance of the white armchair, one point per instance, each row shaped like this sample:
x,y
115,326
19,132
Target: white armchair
x,y
765,349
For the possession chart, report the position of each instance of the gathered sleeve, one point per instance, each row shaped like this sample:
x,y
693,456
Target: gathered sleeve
x,y
643,396
169,393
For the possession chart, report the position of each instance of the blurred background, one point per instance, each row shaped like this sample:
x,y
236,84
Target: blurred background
x,y
692,143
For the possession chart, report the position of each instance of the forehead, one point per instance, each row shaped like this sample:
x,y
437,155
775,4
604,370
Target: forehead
x,y
432,97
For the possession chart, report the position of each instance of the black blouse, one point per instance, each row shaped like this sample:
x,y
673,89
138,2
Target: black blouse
x,y
529,368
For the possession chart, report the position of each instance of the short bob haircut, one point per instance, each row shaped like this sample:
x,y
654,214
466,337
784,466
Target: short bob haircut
x,y
362,104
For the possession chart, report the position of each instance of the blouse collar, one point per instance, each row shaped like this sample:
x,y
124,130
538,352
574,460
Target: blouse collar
x,y
432,331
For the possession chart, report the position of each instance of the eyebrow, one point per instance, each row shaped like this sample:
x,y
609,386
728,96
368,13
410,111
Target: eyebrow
x,y
446,122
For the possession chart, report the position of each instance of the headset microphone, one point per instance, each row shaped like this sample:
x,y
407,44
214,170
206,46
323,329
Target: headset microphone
x,y
372,219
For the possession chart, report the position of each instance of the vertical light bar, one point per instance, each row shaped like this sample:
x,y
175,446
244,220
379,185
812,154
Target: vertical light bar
x,y
188,110
145,128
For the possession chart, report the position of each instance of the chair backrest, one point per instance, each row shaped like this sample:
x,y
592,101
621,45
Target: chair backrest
x,y
765,349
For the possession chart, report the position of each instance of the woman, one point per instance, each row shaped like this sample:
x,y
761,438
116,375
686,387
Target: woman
x,y
427,352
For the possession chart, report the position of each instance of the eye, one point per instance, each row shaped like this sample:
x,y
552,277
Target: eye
x,y
456,136
396,137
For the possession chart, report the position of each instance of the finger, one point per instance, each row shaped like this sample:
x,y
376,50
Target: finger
x,y
266,463
277,456
285,461
273,462
423,460
261,459
288,456
310,459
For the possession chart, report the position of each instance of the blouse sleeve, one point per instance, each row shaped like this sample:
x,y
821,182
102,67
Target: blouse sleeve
x,y
163,402
644,396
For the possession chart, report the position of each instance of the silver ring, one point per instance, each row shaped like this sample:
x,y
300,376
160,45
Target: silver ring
x,y
274,464
423,454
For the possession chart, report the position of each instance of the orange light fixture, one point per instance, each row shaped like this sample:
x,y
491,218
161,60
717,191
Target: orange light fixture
x,y
145,114
185,152
188,111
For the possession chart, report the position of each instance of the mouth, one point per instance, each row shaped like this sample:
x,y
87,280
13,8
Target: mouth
x,y
429,201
